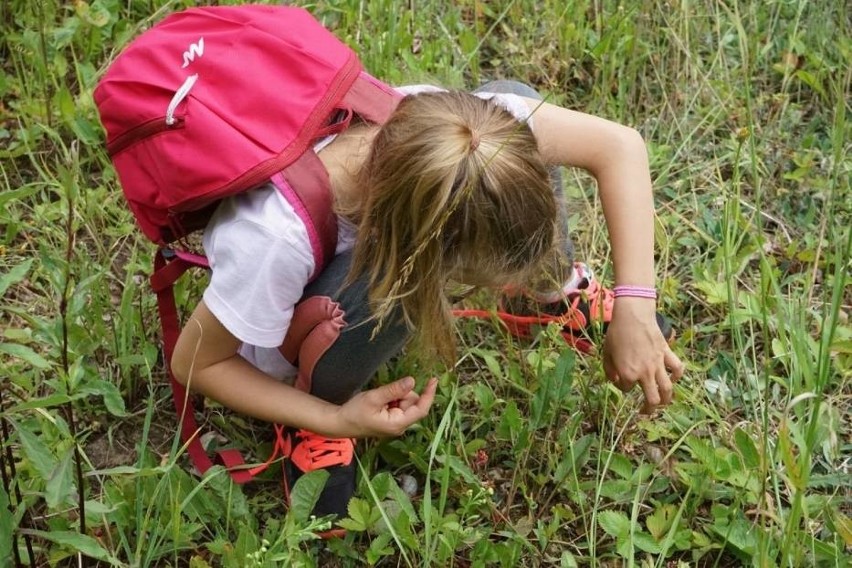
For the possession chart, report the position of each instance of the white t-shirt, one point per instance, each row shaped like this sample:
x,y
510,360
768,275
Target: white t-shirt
x,y
261,259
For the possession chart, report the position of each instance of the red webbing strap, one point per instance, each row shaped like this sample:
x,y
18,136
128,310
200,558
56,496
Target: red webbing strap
x,y
371,99
521,325
166,273
281,447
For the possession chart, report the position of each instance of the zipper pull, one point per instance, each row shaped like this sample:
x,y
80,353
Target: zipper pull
x,y
180,94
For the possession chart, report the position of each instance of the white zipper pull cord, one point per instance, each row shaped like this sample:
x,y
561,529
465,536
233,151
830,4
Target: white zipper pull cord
x,y
180,94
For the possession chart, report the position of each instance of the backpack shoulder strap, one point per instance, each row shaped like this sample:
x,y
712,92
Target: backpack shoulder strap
x,y
306,186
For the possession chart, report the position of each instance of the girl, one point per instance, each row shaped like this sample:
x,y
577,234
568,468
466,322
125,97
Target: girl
x,y
454,190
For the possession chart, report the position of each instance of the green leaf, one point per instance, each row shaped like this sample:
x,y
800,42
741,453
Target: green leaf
x,y
198,562
788,456
403,500
739,535
490,358
660,521
702,451
229,495
10,196
564,373
748,451
842,346
26,354
567,560
646,543
843,527
359,513
573,458
37,452
18,272
615,523
79,543
828,553
810,80
351,525
624,547
381,484
7,525
112,396
60,484
97,508
247,543
306,492
510,423
85,131
65,103
683,539
379,548
95,13
715,292
621,465
46,402
616,488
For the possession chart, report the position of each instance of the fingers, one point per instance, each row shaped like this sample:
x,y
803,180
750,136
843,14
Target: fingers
x,y
394,391
406,402
673,364
411,408
420,408
409,398
609,369
664,387
427,397
652,394
658,390
623,384
414,399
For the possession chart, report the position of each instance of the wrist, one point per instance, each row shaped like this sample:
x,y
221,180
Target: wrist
x,y
330,421
637,308
337,422
342,424
634,291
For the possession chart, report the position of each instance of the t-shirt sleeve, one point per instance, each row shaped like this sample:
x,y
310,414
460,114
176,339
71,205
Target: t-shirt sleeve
x,y
257,279
515,104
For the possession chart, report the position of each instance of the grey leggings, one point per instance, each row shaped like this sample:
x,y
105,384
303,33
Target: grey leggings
x,y
353,359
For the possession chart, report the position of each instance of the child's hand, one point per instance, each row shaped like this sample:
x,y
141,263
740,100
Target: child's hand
x,y
636,352
387,410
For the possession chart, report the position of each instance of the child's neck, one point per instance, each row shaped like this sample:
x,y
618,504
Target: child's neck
x,y
343,159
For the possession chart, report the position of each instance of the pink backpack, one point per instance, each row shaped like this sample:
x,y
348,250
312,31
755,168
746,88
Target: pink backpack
x,y
215,101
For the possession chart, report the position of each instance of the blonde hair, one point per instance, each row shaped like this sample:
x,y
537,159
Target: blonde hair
x,y
453,188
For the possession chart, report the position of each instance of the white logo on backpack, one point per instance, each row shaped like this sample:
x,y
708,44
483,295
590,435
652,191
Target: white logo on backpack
x,y
195,50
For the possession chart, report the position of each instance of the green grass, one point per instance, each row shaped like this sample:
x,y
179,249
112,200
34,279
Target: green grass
x,y
529,457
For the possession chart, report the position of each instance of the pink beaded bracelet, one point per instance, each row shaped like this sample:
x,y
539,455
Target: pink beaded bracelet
x,y
635,292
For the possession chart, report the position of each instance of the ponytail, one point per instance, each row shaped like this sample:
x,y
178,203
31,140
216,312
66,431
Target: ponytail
x,y
455,189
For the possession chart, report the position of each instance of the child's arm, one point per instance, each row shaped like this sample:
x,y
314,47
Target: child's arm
x,y
206,360
615,155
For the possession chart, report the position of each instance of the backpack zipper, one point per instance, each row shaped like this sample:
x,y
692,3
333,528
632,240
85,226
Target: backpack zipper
x,y
144,130
155,125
